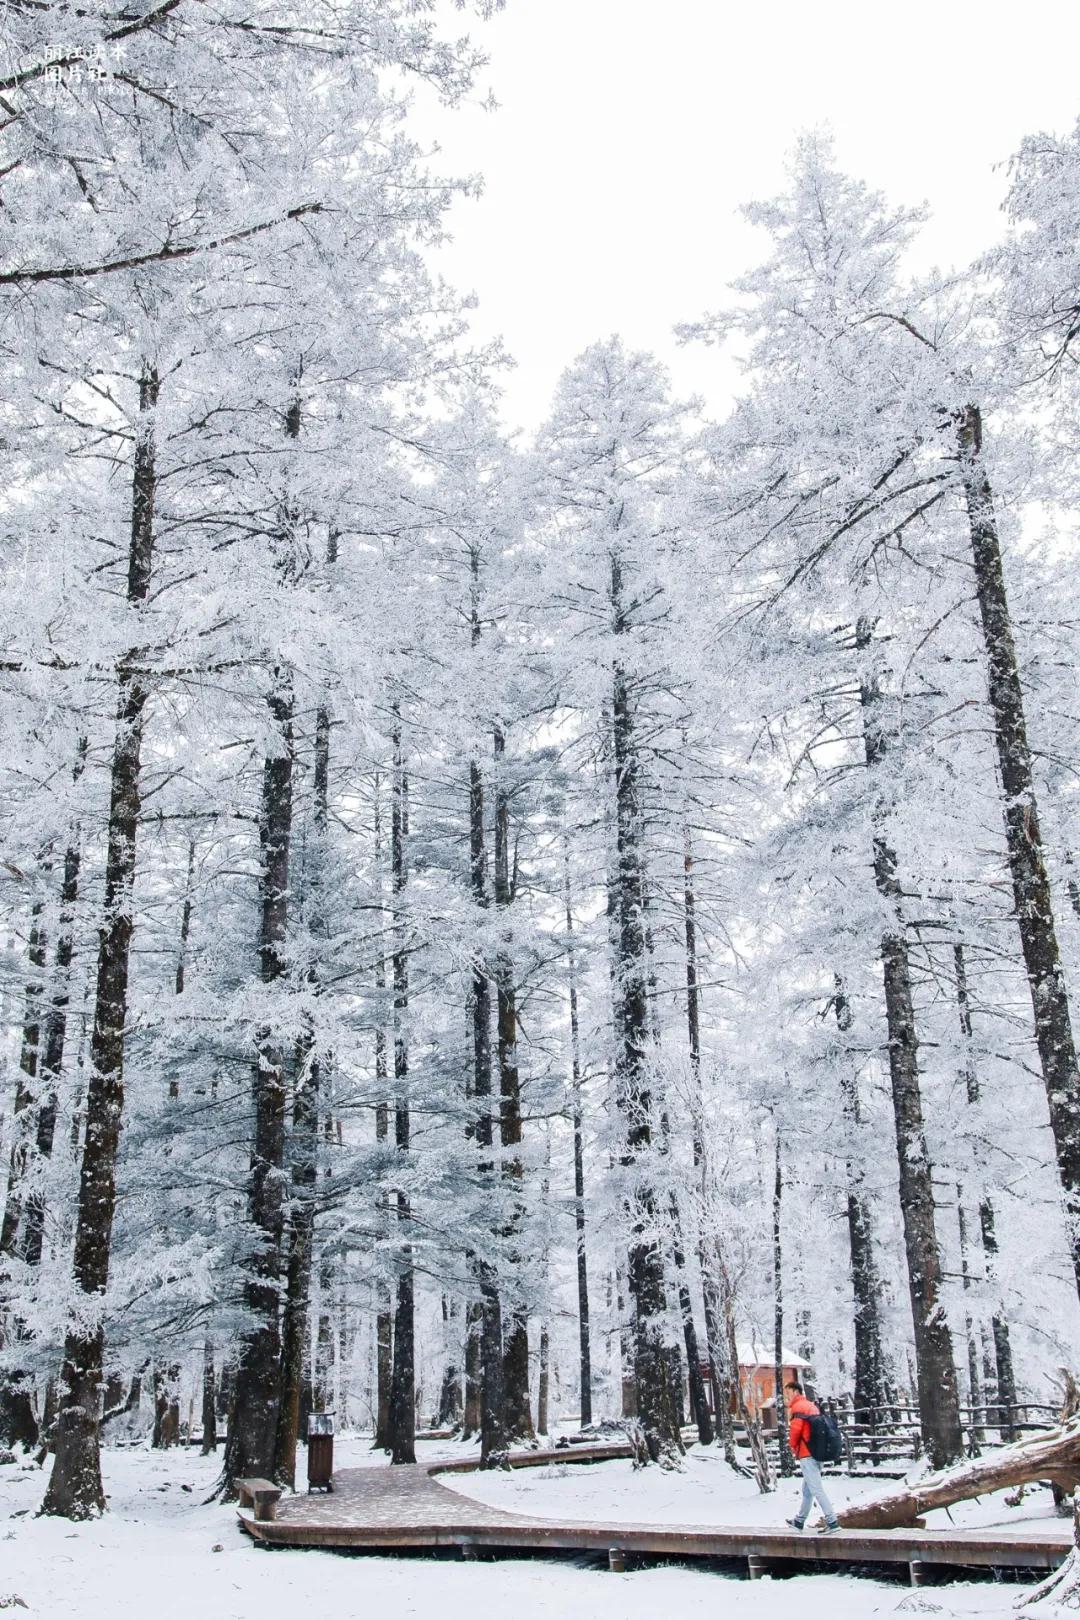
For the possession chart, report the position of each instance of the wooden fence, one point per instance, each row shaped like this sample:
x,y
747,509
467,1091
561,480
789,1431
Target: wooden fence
x,y
886,1440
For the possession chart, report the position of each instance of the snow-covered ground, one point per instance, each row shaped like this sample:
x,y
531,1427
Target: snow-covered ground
x,y
162,1554
706,1492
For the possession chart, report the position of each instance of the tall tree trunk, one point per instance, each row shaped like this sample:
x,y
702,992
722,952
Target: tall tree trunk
x,y
403,1375
384,1320
516,1405
787,1462
305,1135
543,1383
484,1405
719,1377
975,1392
52,1060
75,1489
584,1352
939,1398
695,1383
298,1248
1027,864
472,1415
251,1447
166,1406
25,1087
1005,1377
209,1401
869,1390
449,1413
166,1433
645,1262
18,1424
322,1392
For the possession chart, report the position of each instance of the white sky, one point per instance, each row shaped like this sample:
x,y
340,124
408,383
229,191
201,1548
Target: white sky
x,y
629,131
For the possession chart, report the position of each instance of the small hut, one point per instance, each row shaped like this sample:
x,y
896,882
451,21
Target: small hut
x,y
757,1378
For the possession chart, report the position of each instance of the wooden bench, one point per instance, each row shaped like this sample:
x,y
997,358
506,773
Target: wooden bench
x,y
262,1495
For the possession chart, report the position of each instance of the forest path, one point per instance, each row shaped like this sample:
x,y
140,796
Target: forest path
x,y
405,1509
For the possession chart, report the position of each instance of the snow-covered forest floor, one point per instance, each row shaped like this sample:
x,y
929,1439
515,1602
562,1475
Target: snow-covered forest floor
x,y
162,1552
706,1492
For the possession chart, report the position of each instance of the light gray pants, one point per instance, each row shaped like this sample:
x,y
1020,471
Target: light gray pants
x,y
813,1491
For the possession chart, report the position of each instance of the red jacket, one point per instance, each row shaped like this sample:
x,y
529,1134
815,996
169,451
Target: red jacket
x,y
800,1411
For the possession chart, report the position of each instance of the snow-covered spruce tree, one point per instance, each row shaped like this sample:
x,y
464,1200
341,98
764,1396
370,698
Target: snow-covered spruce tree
x,y
919,451
609,454
173,183
832,468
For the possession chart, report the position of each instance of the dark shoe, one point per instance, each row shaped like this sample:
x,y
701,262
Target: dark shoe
x,y
828,1529
796,1524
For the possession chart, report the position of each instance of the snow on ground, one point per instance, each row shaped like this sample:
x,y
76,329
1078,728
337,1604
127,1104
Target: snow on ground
x,y
707,1492
153,1556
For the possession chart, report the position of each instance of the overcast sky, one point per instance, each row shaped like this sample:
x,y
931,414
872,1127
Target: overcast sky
x,y
629,132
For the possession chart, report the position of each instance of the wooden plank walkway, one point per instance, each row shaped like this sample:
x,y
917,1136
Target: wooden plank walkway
x,y
540,1456
404,1509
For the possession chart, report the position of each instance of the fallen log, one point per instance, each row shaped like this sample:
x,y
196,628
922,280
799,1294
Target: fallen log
x,y
1053,1456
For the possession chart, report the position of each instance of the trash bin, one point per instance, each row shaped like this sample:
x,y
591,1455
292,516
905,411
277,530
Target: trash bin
x,y
320,1451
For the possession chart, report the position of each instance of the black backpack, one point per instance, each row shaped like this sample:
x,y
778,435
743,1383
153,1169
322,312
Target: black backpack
x,y
826,1442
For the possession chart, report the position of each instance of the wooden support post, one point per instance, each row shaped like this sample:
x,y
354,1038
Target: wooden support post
x,y
616,1560
468,1550
917,1572
756,1566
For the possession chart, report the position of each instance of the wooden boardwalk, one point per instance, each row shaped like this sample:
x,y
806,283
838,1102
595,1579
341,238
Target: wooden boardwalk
x,y
404,1509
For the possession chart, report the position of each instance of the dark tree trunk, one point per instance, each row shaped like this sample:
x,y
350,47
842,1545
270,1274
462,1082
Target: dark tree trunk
x,y
939,1398
305,1138
75,1489
225,1389
645,1262
584,1352
869,1390
449,1413
18,1424
166,1432
209,1401
628,1384
52,1059
543,1383
787,1462
298,1260
484,1407
1003,1359
384,1320
472,1415
1005,1377
384,1370
975,1391
695,1383
714,1336
251,1447
25,1087
166,1406
1027,864
322,1393
403,1375
516,1405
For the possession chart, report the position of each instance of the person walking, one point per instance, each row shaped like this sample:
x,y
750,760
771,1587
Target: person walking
x,y
801,1410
